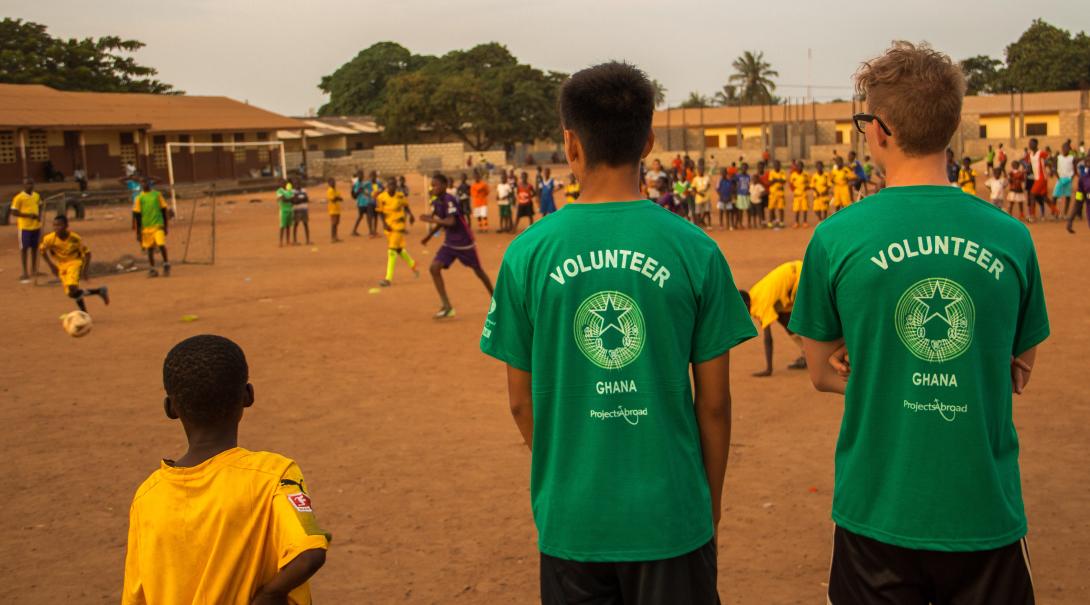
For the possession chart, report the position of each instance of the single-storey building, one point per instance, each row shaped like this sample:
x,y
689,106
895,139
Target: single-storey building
x,y
47,133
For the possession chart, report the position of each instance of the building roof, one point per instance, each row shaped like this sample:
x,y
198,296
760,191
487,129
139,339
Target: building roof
x,y
37,106
336,126
748,115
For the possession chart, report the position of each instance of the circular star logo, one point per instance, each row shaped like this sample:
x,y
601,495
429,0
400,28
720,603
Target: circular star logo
x,y
935,318
609,329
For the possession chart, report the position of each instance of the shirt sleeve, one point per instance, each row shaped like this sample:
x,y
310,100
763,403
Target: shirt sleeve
x,y
815,315
1033,327
508,332
132,592
722,321
136,203
162,201
294,528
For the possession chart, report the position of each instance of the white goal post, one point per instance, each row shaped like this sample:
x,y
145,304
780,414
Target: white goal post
x,y
227,144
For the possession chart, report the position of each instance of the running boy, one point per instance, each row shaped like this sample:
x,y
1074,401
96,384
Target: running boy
x,y
394,208
151,221
68,259
927,497
333,199
248,534
627,468
459,245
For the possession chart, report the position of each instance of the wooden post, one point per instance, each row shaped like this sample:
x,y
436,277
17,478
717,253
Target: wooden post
x,y
21,136
83,156
1021,114
303,144
738,129
1011,130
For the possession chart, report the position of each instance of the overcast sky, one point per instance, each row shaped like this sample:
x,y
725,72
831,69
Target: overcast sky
x,y
272,53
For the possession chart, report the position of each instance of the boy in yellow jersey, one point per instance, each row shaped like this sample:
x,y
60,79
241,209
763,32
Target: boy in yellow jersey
x,y
800,182
68,259
967,177
842,190
771,300
27,206
819,183
393,207
571,191
776,196
334,199
150,221
221,524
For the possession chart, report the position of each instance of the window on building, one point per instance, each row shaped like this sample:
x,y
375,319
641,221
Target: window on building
x,y
128,148
732,140
7,147
779,135
217,138
840,137
263,136
240,152
185,138
983,131
1036,129
159,151
37,146
711,140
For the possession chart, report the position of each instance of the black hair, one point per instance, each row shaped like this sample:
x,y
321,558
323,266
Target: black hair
x,y
61,217
205,376
609,107
442,178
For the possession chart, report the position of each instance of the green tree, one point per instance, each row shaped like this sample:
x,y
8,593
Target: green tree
x,y
660,93
356,88
754,75
696,100
482,96
1046,57
983,74
727,96
29,55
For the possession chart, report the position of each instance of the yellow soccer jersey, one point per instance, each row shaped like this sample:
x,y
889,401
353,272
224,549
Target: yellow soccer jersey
x,y
773,177
334,199
64,250
819,182
701,184
218,531
841,176
967,180
28,204
392,206
777,288
799,182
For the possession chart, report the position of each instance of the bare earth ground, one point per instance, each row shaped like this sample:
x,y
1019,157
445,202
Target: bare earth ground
x,y
402,427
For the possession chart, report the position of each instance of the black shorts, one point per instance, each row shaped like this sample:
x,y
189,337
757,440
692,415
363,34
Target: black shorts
x,y
525,210
869,571
689,579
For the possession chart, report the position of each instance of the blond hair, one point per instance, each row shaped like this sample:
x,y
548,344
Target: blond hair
x,y
917,91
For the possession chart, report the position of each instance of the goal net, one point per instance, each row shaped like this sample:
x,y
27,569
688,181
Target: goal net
x,y
105,222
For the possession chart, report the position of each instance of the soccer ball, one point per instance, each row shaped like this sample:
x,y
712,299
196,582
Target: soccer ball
x,y
77,324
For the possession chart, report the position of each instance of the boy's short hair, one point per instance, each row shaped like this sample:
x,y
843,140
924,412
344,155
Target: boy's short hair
x,y
205,376
609,107
918,92
62,218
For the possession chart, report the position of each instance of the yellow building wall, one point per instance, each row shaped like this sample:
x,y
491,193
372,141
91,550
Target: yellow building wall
x,y
999,127
748,132
845,130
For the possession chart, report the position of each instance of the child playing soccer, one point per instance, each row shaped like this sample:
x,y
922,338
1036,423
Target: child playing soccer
x,y
333,198
1017,185
770,300
150,220
479,192
842,179
967,176
220,524
776,196
800,183
819,182
571,191
458,245
68,259
364,192
284,197
393,207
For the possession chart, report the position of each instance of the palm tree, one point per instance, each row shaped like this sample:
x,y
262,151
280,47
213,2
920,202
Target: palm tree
x,y
754,75
660,92
696,100
727,96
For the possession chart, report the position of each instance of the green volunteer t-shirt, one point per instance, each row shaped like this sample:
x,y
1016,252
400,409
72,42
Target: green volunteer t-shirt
x,y
607,305
150,204
933,291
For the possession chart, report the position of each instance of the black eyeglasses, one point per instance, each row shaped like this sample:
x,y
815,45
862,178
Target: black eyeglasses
x,y
862,119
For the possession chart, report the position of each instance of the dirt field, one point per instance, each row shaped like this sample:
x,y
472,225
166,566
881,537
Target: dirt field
x,y
402,427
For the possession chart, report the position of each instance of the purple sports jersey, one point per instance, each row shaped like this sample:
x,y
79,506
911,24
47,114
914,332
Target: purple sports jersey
x,y
458,235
